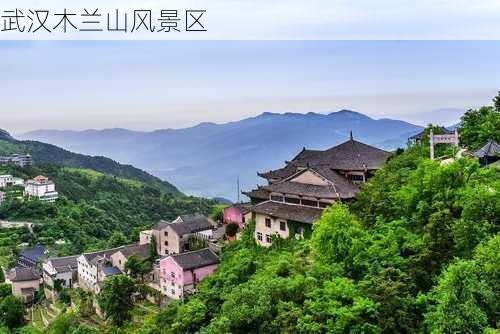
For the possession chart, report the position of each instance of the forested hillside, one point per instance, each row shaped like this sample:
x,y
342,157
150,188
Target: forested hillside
x,y
47,153
95,210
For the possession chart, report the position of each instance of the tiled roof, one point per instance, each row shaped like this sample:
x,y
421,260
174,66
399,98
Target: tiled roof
x,y
490,149
297,213
259,193
303,189
192,224
21,274
110,271
161,225
138,250
353,155
34,253
64,264
350,155
196,259
94,257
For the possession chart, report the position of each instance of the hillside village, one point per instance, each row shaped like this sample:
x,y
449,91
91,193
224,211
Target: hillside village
x,y
173,257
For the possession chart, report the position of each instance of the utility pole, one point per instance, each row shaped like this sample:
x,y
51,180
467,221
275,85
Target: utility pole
x,y
238,188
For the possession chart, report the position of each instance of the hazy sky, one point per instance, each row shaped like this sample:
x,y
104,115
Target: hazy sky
x,y
160,84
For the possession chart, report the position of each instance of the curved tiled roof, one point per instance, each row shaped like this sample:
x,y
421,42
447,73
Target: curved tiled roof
x,y
490,149
297,213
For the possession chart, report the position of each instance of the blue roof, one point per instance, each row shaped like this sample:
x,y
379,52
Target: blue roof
x,y
110,271
34,253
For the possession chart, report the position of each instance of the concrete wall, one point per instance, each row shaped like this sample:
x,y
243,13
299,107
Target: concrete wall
x,y
260,227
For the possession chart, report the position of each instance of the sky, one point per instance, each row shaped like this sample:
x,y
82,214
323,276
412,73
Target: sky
x,y
146,85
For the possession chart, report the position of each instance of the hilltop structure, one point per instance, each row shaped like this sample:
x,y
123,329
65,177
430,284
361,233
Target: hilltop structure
x,y
42,188
20,160
297,194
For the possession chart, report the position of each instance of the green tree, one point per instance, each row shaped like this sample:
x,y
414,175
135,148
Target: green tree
x,y
12,312
232,229
460,294
117,239
153,251
115,299
337,237
137,267
218,213
479,125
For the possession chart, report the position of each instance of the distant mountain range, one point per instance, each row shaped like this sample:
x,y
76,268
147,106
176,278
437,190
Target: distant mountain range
x,y
209,158
47,153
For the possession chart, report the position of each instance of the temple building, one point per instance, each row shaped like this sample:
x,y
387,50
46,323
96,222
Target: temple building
x,y
297,194
488,153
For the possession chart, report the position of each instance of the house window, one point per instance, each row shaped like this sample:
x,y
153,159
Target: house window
x,y
355,177
283,226
259,236
166,251
172,292
165,233
268,238
166,243
173,284
172,274
243,219
268,223
307,202
292,200
277,198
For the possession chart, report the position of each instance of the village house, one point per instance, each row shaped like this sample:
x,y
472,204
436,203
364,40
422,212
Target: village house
x,y
297,194
174,237
25,282
94,268
180,274
42,188
21,160
236,214
120,257
489,153
59,269
90,267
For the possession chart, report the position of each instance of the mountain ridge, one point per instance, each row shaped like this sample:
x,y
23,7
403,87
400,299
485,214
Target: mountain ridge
x,y
208,158
52,154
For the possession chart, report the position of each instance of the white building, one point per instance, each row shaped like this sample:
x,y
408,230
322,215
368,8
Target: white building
x,y
62,269
42,188
6,180
2,197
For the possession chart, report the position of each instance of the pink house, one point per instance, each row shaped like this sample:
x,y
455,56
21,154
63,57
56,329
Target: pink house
x,y
236,214
181,273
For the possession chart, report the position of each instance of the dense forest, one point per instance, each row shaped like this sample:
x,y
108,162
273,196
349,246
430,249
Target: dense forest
x,y
416,252
50,154
95,210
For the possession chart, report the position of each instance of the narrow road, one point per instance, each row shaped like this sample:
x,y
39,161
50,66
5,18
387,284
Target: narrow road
x,y
8,224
